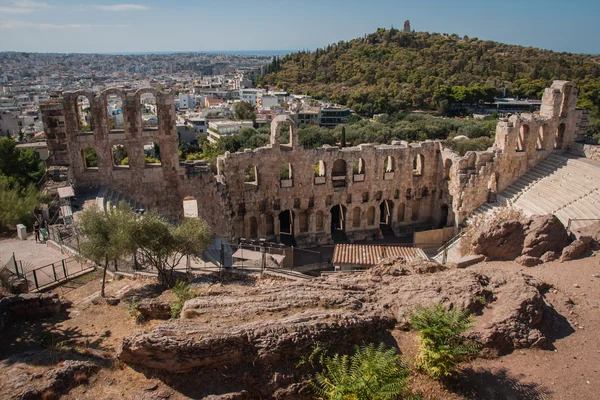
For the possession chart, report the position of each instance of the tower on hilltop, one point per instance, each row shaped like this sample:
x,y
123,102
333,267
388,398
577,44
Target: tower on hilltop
x,y
406,26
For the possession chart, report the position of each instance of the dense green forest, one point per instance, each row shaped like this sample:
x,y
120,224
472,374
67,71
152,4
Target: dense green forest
x,y
389,70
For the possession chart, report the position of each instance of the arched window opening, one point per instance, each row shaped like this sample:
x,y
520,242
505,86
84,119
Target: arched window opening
x,y
389,164
303,221
285,176
522,138
149,109
190,207
359,170
359,166
251,175
386,211
339,168
152,153
285,134
253,228
286,222
447,168
560,136
388,168
90,159
415,210
539,144
270,225
83,107
320,168
418,165
338,218
119,156
356,217
319,172
114,109
371,216
338,173
401,209
319,222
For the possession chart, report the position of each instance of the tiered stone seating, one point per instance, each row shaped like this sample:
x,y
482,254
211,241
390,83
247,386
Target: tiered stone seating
x,y
570,189
109,198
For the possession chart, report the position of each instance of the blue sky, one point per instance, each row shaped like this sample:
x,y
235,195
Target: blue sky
x,y
188,25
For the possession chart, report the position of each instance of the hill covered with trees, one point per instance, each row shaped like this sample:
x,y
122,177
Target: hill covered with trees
x,y
390,70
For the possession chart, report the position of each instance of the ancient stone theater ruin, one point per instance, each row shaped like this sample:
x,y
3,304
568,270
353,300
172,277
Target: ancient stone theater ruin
x,y
286,193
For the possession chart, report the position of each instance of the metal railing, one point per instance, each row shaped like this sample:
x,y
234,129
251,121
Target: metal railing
x,y
55,272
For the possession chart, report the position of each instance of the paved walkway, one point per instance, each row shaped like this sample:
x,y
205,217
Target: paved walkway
x,y
31,255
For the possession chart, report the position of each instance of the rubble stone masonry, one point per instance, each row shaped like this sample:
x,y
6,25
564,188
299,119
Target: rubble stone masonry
x,y
284,189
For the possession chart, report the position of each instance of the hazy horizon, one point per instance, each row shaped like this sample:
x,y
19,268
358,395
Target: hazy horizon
x,y
152,27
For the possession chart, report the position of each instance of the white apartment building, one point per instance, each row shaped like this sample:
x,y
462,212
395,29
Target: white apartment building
x,y
250,95
216,129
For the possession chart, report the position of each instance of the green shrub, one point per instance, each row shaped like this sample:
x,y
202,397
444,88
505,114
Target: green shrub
x,y
184,292
134,311
442,346
371,373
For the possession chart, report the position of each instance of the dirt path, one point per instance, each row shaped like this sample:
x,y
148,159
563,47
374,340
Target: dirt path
x,y
571,368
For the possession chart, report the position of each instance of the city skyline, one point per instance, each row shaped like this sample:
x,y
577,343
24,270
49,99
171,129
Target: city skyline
x,y
65,26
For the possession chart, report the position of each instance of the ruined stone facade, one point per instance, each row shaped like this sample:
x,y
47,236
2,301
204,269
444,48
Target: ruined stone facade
x,y
283,191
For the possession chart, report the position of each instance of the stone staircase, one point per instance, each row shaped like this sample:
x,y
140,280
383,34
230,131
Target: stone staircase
x,y
108,199
564,185
570,190
339,236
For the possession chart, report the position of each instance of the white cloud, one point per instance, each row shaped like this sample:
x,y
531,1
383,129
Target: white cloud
x,y
22,6
33,25
123,7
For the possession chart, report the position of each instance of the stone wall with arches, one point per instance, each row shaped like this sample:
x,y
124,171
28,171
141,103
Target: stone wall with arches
x,y
522,141
354,179
152,174
284,191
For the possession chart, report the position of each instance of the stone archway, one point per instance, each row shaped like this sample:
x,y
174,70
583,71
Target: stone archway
x,y
386,212
338,218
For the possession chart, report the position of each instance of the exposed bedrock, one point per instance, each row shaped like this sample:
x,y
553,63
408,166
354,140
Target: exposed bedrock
x,y
278,323
512,239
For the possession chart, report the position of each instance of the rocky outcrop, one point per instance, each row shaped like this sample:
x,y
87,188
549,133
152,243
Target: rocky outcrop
x,y
154,309
29,307
277,322
528,261
181,347
576,250
525,242
21,380
544,233
500,242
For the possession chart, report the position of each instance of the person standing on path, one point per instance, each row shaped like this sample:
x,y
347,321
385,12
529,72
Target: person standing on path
x,y
36,230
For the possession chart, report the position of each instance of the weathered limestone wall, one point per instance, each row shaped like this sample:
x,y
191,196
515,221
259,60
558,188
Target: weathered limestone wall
x,y
162,186
416,185
521,142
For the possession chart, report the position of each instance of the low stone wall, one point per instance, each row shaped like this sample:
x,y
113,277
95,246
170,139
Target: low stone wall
x,y
28,306
591,151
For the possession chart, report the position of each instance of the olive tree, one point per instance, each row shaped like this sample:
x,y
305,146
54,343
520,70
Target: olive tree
x,y
106,235
164,246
